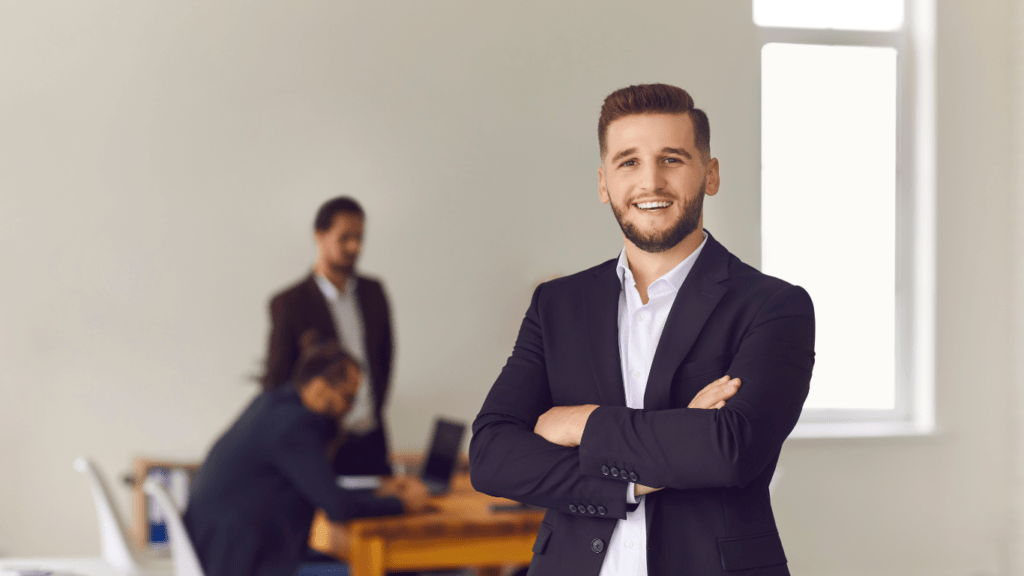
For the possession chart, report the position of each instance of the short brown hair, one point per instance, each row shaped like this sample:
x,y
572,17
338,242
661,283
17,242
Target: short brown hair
x,y
653,99
328,210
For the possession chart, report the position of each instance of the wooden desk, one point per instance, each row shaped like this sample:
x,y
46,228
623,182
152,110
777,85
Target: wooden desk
x,y
462,532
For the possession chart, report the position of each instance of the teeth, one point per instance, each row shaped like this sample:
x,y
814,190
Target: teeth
x,y
653,205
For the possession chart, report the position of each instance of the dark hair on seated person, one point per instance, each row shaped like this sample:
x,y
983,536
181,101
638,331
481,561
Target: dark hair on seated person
x,y
342,204
321,357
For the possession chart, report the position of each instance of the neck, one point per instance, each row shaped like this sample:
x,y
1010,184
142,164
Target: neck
x,y
339,279
648,267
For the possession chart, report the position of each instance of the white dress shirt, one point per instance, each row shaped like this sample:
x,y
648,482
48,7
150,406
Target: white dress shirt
x,y
640,327
348,323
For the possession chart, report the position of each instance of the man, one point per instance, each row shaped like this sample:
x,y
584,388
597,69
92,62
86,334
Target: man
x,y
252,501
603,402
339,304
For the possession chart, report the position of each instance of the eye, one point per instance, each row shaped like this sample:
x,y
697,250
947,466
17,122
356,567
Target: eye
x,y
628,163
673,160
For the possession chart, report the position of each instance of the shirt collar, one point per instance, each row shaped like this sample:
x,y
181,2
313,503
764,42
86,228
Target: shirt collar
x,y
330,291
673,278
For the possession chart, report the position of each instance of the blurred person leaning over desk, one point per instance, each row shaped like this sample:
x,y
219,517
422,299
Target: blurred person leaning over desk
x,y
252,501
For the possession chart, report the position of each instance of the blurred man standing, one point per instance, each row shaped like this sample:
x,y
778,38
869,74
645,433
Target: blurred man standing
x,y
339,304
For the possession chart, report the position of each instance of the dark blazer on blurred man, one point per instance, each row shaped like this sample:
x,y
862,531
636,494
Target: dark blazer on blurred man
x,y
339,304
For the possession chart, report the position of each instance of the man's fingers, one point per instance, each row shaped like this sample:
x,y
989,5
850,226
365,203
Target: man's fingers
x,y
715,394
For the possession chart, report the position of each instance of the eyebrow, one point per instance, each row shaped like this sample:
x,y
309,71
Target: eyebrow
x,y
680,151
623,154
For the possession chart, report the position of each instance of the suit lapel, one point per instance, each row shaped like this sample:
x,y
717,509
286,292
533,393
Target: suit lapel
x,y
318,311
698,296
601,314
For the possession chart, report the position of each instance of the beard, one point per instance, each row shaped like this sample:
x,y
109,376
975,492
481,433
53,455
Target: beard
x,y
654,241
346,269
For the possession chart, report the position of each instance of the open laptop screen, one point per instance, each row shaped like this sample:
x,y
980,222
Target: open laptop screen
x,y
442,454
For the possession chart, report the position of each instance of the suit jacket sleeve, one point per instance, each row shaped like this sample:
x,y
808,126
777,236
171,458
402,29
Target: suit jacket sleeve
x,y
283,348
694,448
297,449
541,473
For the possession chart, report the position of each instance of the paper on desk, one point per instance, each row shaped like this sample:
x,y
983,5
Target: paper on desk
x,y
359,482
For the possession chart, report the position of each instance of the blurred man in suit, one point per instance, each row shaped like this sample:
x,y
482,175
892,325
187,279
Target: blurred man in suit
x,y
603,414
339,304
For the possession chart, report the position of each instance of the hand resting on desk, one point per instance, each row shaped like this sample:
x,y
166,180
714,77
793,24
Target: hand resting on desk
x,y
410,490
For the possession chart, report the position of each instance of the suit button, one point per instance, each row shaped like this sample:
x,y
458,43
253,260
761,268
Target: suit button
x,y
572,508
605,470
591,510
615,472
597,546
602,510
633,477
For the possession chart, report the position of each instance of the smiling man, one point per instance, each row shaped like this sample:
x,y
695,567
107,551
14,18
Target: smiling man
x,y
647,399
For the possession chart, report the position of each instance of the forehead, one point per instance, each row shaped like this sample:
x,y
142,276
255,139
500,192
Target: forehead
x,y
346,222
651,131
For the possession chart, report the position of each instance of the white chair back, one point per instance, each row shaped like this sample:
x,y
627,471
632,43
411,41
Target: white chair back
x,y
113,538
186,563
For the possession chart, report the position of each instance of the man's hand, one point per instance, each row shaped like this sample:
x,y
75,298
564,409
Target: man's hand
x,y
563,425
715,394
639,490
411,491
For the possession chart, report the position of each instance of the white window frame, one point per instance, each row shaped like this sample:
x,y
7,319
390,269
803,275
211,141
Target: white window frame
x,y
914,411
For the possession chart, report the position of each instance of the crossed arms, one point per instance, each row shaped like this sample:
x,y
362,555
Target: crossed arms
x,y
564,425
524,450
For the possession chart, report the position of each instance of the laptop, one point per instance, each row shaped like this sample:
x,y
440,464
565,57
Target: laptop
x,y
442,455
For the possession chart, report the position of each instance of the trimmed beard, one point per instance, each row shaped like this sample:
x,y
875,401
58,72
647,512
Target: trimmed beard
x,y
655,242
342,269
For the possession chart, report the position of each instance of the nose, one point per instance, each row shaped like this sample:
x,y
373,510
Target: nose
x,y
652,177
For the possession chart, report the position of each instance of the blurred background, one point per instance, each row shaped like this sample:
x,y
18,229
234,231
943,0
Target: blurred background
x,y
161,163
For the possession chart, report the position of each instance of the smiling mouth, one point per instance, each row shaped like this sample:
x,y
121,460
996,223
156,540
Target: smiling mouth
x,y
652,206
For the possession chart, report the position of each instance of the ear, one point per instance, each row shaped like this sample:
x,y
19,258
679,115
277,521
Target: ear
x,y
711,174
602,186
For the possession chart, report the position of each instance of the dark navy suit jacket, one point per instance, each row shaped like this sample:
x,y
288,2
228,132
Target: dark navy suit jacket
x,y
302,307
252,501
714,515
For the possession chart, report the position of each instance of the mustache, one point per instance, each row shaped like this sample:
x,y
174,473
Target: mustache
x,y
656,197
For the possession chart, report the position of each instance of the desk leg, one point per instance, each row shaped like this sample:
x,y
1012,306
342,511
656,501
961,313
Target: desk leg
x,y
489,571
367,557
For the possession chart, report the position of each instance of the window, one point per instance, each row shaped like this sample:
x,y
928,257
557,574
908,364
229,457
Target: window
x,y
847,201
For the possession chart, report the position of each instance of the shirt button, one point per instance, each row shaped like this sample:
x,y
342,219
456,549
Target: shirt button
x,y
636,374
629,543
640,316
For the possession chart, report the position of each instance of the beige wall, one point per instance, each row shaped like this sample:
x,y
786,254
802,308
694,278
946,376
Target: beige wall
x,y
160,165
